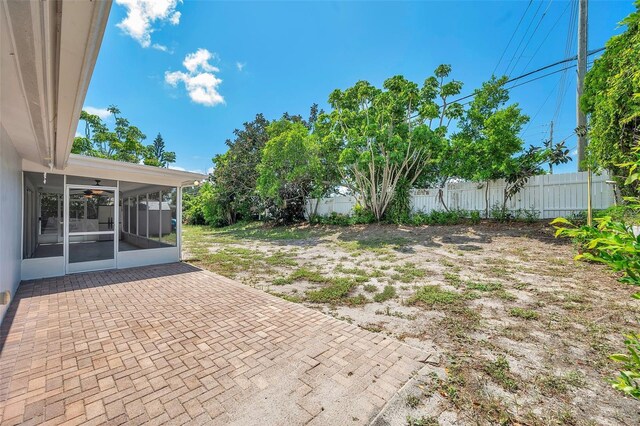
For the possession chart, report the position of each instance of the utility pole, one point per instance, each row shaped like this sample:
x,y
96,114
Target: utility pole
x,y
581,118
551,145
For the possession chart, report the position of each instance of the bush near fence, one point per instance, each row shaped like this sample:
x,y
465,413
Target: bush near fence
x,y
550,196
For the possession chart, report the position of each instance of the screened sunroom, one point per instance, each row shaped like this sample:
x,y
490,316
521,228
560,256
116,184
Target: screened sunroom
x,y
100,214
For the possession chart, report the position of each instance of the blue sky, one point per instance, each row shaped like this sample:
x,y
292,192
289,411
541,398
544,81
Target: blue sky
x,y
195,71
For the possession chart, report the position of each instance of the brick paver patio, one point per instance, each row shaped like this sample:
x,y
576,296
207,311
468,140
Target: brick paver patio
x,y
174,344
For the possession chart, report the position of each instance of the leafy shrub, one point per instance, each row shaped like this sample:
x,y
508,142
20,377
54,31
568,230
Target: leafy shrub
x,y
610,242
400,207
192,208
613,242
500,213
628,381
528,215
474,216
619,214
578,217
362,215
437,217
333,219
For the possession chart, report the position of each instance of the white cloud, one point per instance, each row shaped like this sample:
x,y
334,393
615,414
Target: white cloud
x,y
574,152
199,80
175,18
160,47
210,170
199,59
143,14
100,112
240,66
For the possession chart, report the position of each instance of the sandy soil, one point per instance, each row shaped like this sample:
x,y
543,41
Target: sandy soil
x,y
519,332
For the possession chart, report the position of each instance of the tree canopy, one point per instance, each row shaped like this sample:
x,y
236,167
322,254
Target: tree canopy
x,y
123,143
377,142
612,99
156,155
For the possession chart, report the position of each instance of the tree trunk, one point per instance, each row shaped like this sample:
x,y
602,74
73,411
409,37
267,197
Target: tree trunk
x,y
486,200
441,194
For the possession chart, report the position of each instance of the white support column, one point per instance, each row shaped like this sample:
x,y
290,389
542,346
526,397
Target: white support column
x,y
116,223
179,222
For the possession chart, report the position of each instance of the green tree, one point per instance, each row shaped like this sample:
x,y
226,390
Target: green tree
x,y
234,175
442,164
156,155
487,141
124,143
612,100
387,136
288,169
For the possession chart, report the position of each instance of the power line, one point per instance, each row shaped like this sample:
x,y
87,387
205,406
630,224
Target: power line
x,y
555,24
592,52
523,37
524,49
573,58
542,76
551,92
512,35
571,30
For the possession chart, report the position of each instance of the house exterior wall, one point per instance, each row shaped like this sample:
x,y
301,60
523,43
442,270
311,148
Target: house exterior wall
x,y
10,217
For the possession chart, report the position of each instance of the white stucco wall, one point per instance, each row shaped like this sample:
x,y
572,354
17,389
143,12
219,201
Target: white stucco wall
x,y
10,217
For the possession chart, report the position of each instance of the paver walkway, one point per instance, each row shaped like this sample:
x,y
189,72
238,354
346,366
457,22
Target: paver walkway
x,y
175,344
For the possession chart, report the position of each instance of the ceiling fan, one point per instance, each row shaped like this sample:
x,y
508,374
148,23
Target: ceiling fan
x,y
89,193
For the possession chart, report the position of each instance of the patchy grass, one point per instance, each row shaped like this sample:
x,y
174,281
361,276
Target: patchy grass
x,y
499,361
408,273
389,292
422,421
288,297
412,401
559,385
388,312
433,295
370,288
306,274
281,281
500,371
338,289
527,314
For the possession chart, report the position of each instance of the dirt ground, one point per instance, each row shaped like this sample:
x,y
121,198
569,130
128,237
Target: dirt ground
x,y
519,332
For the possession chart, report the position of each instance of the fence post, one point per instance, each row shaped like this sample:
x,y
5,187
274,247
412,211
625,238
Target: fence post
x,y
541,195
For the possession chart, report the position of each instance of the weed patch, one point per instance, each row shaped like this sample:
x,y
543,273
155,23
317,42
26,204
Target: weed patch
x,y
389,292
500,372
434,295
408,273
306,274
526,314
338,289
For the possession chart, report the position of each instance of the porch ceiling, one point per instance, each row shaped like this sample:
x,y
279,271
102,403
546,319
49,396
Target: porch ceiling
x,y
48,51
100,168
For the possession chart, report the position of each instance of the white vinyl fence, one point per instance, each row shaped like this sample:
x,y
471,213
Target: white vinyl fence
x,y
550,195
